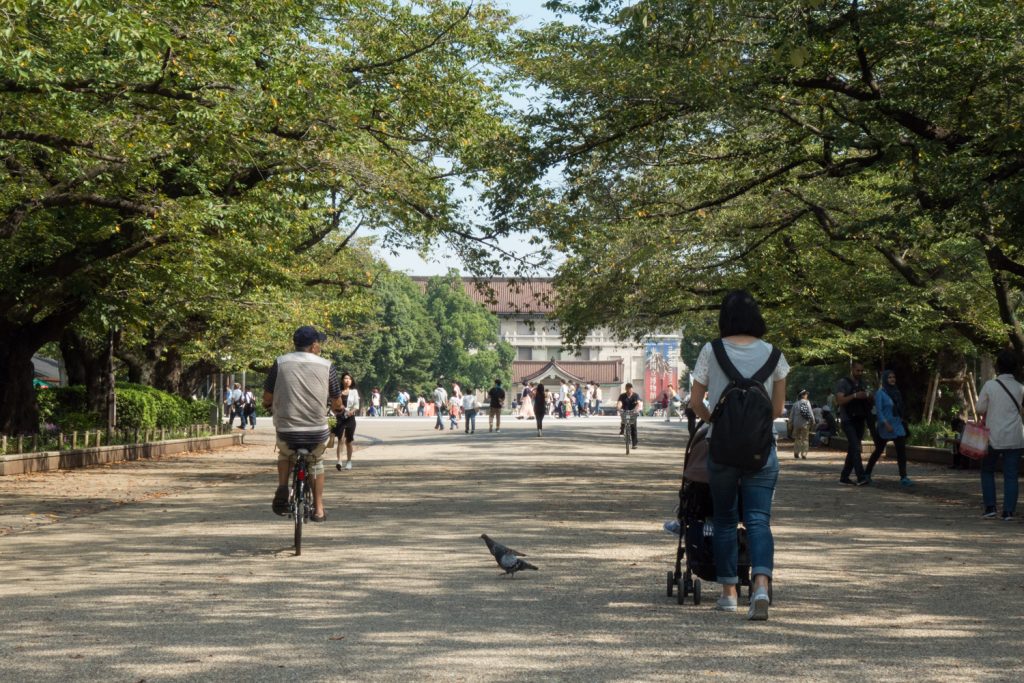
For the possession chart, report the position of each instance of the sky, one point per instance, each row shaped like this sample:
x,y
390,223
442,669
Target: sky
x,y
441,258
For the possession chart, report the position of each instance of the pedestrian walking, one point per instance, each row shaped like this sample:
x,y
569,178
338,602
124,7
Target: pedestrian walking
x,y
527,401
233,401
454,409
890,426
375,406
854,401
248,409
540,407
746,354
496,397
469,408
345,422
801,416
440,400
421,405
1000,401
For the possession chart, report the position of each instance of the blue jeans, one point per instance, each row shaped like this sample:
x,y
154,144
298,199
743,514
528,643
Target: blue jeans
x,y
470,421
757,489
1011,468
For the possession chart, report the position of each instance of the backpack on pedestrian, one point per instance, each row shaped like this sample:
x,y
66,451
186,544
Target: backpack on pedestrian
x,y
743,418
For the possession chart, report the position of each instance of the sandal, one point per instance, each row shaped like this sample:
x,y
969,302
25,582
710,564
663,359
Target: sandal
x,y
321,518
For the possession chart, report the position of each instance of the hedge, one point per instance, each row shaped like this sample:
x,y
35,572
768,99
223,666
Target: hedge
x,y
138,407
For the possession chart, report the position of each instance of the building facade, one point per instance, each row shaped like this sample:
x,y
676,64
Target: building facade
x,y
524,309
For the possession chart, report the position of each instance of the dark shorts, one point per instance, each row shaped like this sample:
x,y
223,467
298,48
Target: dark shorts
x,y
346,428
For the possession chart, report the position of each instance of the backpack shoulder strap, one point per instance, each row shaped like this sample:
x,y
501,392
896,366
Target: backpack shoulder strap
x,y
724,362
769,366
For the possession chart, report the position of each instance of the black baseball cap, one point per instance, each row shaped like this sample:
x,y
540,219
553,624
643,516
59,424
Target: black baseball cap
x,y
306,335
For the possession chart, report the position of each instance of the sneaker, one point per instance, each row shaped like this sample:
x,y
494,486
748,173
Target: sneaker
x,y
847,482
322,518
725,605
990,512
1007,516
804,457
864,482
496,431
280,504
672,527
490,429
633,447
758,606
348,464
906,482
338,466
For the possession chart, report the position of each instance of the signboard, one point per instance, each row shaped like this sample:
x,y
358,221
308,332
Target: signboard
x,y
661,368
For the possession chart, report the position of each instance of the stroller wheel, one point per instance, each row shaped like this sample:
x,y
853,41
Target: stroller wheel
x,y
681,593
696,592
671,583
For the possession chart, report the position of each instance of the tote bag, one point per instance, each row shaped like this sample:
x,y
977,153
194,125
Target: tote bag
x,y
974,443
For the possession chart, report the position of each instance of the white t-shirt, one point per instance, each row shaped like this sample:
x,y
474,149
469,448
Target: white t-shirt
x,y
748,359
1002,415
469,401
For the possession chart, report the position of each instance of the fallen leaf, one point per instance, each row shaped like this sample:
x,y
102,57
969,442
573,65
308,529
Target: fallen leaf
x,y
336,638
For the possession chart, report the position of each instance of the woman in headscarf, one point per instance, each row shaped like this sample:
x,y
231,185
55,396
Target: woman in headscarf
x,y
891,426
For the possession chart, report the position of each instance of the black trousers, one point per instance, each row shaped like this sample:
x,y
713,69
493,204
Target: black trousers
x,y
853,429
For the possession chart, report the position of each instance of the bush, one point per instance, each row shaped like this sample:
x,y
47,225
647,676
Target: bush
x,y
138,407
922,434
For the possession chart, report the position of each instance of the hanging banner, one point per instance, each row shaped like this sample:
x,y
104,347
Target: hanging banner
x,y
661,367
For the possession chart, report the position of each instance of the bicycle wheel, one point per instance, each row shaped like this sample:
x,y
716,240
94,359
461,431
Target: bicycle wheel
x,y
300,514
628,436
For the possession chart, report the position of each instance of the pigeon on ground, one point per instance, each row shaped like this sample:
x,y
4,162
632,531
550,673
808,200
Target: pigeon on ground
x,y
507,558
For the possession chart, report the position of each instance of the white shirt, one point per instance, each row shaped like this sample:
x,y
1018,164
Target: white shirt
x,y
469,401
747,358
1002,416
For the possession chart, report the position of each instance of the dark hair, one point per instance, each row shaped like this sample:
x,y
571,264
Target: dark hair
x,y
1006,362
343,375
740,314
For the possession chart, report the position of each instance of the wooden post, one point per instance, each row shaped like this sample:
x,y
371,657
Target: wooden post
x,y
60,441
74,440
21,444
972,395
35,442
933,397
3,444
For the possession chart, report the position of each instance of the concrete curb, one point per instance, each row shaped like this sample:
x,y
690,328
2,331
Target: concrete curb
x,y
48,461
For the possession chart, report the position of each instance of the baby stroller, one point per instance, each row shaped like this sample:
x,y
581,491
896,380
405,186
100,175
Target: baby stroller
x,y
696,530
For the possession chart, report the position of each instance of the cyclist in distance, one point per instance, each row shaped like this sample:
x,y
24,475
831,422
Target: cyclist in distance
x,y
628,400
298,389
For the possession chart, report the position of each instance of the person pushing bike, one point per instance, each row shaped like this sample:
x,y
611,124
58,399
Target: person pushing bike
x,y
297,390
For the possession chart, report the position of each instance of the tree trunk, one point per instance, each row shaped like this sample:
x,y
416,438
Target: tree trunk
x,y
86,365
19,413
168,371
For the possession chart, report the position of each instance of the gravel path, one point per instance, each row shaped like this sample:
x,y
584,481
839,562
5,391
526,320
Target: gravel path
x,y
176,570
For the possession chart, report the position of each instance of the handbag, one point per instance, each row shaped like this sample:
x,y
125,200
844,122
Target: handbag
x,y
974,442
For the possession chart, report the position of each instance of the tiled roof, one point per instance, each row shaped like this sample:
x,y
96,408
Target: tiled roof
x,y
507,296
582,371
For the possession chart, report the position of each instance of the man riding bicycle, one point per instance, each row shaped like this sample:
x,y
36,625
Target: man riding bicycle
x,y
628,401
297,392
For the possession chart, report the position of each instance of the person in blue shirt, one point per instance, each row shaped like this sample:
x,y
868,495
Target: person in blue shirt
x,y
891,427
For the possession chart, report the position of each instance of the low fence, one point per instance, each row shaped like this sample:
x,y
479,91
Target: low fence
x,y
37,453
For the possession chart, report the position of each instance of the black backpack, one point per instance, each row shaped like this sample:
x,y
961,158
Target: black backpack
x,y
743,417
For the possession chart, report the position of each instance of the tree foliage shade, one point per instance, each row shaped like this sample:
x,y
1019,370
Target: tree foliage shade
x,y
858,165
187,173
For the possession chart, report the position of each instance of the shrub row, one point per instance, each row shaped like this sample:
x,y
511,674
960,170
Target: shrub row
x,y
138,407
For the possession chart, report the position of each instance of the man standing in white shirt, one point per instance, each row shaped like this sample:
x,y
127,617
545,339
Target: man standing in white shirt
x,y
1000,402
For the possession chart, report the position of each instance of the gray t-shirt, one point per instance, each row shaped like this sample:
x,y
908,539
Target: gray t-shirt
x,y
748,359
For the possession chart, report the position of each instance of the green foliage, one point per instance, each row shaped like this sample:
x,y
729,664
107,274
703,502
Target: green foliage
x,y
929,434
856,165
138,407
198,179
469,350
412,337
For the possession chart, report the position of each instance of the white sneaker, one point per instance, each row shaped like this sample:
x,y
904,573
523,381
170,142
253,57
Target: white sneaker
x,y
348,464
758,606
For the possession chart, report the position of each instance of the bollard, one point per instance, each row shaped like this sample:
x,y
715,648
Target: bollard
x,y
35,442
74,440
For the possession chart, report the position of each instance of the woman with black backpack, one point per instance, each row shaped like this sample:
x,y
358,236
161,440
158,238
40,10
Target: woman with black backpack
x,y
744,378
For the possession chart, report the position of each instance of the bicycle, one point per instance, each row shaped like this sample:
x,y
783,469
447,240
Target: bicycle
x,y
300,502
628,422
